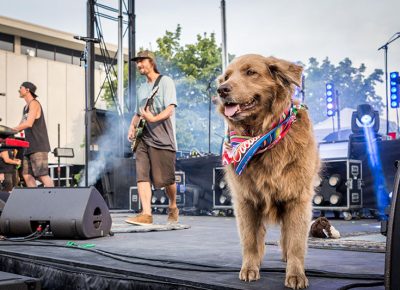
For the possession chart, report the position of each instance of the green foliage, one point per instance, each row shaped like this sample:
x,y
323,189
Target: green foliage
x,y
353,86
195,68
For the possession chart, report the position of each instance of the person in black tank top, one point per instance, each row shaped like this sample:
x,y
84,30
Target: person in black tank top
x,y
35,163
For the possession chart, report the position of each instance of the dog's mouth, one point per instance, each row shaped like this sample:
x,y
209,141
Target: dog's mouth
x,y
232,110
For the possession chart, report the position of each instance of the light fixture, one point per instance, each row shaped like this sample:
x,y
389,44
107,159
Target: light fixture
x,y
31,52
330,98
317,181
221,195
318,199
154,199
64,152
334,180
364,117
335,198
224,198
163,199
394,89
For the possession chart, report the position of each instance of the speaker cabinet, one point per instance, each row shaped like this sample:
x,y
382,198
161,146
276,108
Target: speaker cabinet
x,y
3,199
75,212
340,187
221,194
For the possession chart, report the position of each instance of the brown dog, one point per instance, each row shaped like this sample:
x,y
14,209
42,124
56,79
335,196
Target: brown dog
x,y
276,185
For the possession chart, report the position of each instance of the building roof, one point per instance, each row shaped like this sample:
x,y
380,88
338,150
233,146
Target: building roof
x,y
45,34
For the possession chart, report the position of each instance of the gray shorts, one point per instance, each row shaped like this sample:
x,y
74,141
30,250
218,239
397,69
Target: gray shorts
x,y
36,164
155,165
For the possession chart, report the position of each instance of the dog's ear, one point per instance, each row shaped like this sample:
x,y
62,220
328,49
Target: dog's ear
x,y
285,71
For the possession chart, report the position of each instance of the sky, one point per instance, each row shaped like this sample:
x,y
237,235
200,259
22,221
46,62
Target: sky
x,y
290,29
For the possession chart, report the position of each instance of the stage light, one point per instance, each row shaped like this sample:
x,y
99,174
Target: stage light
x,y
317,181
318,199
330,99
334,180
335,198
341,187
394,89
221,195
163,199
224,198
64,152
364,117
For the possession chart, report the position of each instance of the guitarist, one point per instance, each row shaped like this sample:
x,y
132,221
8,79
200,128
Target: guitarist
x,y
156,150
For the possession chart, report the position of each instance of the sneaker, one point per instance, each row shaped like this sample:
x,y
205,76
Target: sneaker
x,y
173,214
140,219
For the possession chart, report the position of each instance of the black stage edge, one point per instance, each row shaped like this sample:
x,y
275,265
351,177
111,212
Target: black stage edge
x,y
205,256
10,281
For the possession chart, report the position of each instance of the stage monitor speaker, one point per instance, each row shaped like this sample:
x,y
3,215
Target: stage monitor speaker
x,y
3,199
74,212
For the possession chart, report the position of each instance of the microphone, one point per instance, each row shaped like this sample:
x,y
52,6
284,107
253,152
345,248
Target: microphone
x,y
2,94
87,39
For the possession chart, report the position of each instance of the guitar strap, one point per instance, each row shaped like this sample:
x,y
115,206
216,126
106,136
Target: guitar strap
x,y
156,84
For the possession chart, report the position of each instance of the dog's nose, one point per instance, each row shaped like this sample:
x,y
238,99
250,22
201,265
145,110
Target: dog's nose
x,y
224,90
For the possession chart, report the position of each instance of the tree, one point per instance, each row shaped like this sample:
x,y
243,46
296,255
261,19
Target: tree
x,y
194,69
353,86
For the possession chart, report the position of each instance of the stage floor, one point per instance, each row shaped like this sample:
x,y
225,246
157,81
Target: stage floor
x,y
204,253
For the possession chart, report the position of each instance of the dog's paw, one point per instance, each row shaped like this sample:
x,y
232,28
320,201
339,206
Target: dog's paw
x,y
249,274
296,282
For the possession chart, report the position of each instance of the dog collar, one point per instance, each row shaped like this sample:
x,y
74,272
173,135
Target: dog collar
x,y
239,149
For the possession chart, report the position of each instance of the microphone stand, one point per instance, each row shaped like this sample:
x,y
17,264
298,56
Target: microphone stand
x,y
385,48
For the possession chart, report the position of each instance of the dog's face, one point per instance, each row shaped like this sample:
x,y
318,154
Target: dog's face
x,y
254,90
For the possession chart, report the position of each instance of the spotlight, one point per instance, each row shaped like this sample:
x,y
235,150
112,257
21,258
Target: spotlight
x,y
335,198
31,52
334,180
364,117
394,89
341,187
317,181
318,199
163,199
224,198
221,194
154,199
330,99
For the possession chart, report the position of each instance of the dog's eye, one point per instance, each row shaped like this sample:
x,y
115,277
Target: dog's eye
x,y
250,72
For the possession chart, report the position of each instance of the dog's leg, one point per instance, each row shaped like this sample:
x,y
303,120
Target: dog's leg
x,y
295,223
252,234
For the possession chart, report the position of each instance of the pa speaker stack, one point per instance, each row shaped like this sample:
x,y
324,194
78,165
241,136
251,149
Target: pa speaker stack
x,y
79,212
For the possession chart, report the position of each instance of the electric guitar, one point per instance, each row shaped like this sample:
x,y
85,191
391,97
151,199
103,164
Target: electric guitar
x,y
142,122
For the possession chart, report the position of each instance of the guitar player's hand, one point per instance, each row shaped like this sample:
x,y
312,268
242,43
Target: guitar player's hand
x,y
147,115
131,134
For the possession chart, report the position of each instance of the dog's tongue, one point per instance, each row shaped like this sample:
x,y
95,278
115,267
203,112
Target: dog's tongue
x,y
230,110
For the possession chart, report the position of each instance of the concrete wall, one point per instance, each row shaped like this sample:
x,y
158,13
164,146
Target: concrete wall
x,y
61,91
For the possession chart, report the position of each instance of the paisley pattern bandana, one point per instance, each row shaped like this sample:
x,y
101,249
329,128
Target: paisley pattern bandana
x,y
239,149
